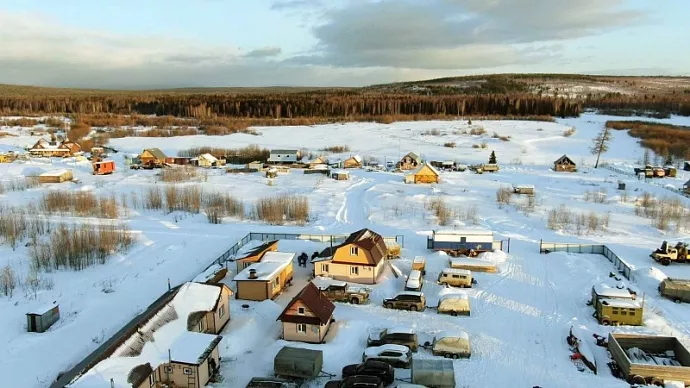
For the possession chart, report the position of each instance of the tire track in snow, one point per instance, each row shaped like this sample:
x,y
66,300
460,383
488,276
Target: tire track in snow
x,y
352,211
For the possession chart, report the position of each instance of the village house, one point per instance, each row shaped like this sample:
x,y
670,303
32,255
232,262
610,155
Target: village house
x,y
321,160
169,349
409,161
564,163
360,258
267,278
207,160
152,156
178,160
56,176
423,174
308,316
255,255
352,162
45,148
284,156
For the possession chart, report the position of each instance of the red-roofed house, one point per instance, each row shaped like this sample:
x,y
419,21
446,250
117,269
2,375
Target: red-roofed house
x,y
359,259
308,316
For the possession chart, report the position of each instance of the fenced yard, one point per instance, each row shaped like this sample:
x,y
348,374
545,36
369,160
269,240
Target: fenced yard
x,y
597,249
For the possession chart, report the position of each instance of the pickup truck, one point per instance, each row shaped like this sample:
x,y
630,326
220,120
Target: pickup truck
x,y
342,292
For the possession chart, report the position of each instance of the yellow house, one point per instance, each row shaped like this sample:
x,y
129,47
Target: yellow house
x,y
255,255
308,316
360,258
353,162
267,278
425,173
152,156
215,319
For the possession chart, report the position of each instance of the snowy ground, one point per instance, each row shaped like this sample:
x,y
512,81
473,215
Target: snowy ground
x,y
520,315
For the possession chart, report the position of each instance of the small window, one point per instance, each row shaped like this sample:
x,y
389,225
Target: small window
x,y
168,369
456,276
632,313
624,312
300,310
324,267
276,282
354,270
187,371
221,311
302,328
152,380
354,251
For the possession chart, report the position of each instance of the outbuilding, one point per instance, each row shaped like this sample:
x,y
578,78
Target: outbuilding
x,y
103,167
564,163
267,278
340,175
56,176
41,319
423,174
523,189
353,162
409,161
469,241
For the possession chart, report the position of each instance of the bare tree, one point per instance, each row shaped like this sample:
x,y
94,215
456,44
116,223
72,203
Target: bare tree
x,y
8,281
600,144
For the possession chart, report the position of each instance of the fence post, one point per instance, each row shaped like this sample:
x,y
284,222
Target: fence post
x,y
541,244
509,245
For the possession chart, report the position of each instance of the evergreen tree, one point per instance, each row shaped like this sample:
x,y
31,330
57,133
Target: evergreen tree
x,y
669,160
646,160
492,158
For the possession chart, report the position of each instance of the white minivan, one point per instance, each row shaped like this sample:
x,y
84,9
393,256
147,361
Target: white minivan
x,y
414,281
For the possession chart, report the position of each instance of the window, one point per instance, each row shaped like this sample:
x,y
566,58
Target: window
x,y
152,380
302,328
221,311
354,270
187,371
614,310
456,276
324,267
354,251
632,313
624,312
276,283
300,310
168,369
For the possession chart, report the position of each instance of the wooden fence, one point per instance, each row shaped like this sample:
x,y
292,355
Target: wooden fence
x,y
597,249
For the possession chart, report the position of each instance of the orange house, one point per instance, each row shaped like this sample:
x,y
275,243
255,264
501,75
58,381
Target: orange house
x,y
360,258
308,316
423,174
255,255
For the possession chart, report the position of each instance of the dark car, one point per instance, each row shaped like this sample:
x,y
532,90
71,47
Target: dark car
x,y
356,382
380,369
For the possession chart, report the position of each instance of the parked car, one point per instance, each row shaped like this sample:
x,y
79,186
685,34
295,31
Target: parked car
x,y
450,345
414,281
376,368
398,356
356,382
398,336
406,300
339,291
456,277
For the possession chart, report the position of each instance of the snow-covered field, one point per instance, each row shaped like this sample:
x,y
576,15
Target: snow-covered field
x,y
520,315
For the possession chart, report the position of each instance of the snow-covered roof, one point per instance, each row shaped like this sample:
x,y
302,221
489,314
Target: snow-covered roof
x,y
40,310
271,264
400,330
413,293
323,282
463,232
173,335
373,351
455,295
524,186
452,334
457,271
340,172
631,304
604,290
421,166
419,259
467,262
56,172
208,157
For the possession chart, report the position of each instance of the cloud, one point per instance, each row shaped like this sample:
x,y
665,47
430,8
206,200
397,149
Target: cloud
x,y
445,34
292,4
263,52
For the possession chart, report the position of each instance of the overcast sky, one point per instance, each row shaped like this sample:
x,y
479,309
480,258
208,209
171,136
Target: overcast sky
x,y
184,43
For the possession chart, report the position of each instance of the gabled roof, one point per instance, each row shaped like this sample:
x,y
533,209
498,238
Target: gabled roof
x,y
139,374
563,159
356,158
156,152
413,156
367,240
421,167
257,250
315,301
208,157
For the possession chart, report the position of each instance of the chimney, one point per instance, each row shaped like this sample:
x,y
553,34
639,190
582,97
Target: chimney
x,y
252,274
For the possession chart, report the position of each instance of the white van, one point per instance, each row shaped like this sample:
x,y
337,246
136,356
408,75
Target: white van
x,y
454,304
455,277
414,281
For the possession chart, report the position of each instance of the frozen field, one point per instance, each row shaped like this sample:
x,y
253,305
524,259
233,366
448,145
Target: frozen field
x,y
520,315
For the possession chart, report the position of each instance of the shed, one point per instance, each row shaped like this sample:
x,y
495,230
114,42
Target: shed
x,y
564,163
340,175
103,167
409,161
298,362
56,176
255,165
208,160
433,373
353,162
423,174
42,318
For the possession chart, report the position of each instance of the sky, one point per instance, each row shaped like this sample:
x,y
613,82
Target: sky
x,y
128,44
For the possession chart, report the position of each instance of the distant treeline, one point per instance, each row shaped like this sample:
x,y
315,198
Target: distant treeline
x,y
658,106
663,139
293,105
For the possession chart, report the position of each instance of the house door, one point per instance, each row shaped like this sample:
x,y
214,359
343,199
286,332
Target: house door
x,y
32,324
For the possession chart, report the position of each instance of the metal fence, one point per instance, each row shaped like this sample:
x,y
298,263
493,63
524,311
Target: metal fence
x,y
597,249
652,181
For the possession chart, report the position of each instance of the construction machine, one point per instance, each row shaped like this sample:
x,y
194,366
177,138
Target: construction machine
x,y
667,254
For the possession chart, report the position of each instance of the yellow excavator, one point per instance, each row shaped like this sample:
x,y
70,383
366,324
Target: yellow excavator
x,y
667,254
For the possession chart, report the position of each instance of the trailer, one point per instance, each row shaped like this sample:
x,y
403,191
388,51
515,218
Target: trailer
x,y
299,363
469,242
103,167
648,359
433,373
678,290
